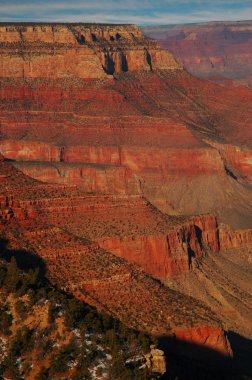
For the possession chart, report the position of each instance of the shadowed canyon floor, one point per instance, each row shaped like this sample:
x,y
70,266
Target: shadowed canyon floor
x,y
120,168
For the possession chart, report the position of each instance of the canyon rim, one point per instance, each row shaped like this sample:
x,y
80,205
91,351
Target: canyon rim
x,y
127,180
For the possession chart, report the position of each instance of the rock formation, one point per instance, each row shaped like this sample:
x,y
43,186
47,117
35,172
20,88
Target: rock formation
x,y
155,132
79,265
77,50
219,51
150,128
155,360
121,136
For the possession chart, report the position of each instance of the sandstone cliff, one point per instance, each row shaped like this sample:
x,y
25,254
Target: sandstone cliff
x,y
77,50
128,226
111,148
126,136
79,265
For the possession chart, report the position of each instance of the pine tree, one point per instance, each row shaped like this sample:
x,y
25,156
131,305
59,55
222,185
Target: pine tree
x,y
12,278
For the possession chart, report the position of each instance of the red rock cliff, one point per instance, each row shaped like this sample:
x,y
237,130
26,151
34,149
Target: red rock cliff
x,y
171,253
219,51
205,336
234,239
83,51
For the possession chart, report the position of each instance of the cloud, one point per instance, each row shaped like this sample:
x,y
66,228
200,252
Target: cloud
x,y
142,12
47,6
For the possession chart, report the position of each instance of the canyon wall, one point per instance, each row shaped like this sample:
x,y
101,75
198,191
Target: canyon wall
x,y
167,254
218,51
78,265
235,239
216,337
129,227
77,50
236,158
151,130
93,178
118,128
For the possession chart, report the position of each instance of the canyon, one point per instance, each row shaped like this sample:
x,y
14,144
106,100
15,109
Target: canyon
x,y
218,51
95,275
129,177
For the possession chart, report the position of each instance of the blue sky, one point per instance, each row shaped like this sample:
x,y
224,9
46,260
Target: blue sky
x,y
141,12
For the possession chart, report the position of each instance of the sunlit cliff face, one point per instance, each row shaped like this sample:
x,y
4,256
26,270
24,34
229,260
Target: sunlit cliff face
x,y
114,150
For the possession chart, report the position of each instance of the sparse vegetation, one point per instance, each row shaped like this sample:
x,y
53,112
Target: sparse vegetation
x,y
66,336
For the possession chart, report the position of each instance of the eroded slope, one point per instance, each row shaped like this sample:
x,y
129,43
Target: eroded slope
x,y
93,274
220,51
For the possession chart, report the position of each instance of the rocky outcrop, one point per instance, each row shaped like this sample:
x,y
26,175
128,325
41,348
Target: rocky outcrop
x,y
29,151
165,162
206,336
82,51
172,253
234,239
237,160
79,265
93,178
217,51
155,360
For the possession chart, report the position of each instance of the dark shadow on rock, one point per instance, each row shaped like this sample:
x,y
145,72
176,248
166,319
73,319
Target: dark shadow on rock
x,y
94,38
230,173
6,159
148,57
242,349
199,235
81,39
124,63
109,67
25,260
189,361
191,255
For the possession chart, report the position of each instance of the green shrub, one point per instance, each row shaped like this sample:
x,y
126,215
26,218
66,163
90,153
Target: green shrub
x,y
23,342
5,319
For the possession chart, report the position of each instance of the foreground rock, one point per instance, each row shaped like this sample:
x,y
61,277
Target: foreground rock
x,y
155,360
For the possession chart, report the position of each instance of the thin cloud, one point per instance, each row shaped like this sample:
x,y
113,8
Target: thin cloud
x,y
142,21
102,5
142,12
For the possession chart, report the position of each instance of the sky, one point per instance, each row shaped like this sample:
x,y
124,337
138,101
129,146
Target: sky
x,y
141,12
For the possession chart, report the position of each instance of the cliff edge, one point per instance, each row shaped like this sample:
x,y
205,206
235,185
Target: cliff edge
x,y
78,50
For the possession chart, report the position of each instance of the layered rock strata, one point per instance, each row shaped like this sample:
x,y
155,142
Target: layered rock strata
x,y
82,267
128,226
77,50
128,138
218,51
149,131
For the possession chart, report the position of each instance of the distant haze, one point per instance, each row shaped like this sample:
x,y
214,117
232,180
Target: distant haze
x,y
220,51
142,12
